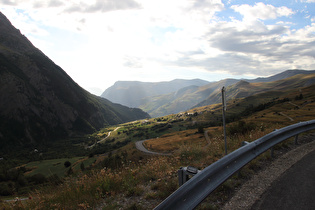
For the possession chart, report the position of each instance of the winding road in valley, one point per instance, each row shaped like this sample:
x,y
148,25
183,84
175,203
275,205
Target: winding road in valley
x,y
139,146
100,141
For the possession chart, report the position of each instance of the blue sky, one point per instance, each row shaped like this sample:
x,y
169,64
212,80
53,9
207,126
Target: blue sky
x,y
98,42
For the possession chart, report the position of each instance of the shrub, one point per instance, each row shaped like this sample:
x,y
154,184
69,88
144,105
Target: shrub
x,y
200,129
67,164
6,189
37,178
240,128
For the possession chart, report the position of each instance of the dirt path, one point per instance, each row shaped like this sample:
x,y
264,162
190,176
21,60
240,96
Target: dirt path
x,y
207,138
291,119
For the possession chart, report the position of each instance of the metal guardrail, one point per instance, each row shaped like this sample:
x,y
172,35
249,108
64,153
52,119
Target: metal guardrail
x,y
195,190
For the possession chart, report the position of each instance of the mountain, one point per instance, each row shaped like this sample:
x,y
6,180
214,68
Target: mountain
x,y
181,100
39,102
282,75
134,93
244,89
159,99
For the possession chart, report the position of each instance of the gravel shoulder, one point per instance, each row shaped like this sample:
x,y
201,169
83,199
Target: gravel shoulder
x,y
251,191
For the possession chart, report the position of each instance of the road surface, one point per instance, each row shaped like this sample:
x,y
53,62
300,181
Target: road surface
x,y
294,189
139,146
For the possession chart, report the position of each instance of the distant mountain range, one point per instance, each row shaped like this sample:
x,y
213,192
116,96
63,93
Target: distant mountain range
x,y
135,93
243,89
39,102
187,94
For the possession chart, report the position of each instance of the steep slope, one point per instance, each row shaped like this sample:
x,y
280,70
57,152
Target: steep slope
x,y
244,89
134,93
40,102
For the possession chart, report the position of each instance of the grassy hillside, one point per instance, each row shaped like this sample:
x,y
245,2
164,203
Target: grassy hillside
x,y
244,89
127,178
182,99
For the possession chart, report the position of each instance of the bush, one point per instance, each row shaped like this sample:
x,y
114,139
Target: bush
x,y
67,164
37,179
240,128
200,129
6,189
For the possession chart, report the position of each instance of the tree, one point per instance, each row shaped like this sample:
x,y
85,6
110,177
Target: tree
x,y
200,129
67,164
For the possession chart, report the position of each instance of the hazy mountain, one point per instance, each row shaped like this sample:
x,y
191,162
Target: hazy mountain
x,y
244,89
40,102
134,93
282,75
183,99
159,99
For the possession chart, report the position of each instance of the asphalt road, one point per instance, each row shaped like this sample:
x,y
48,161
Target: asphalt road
x,y
294,189
139,146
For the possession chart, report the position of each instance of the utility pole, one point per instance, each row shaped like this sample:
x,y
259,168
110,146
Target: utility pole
x,y
223,116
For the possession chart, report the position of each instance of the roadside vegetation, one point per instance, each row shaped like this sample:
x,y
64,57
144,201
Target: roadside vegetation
x,y
115,174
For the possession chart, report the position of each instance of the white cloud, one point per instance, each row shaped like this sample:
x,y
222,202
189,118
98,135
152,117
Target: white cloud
x,y
99,42
262,11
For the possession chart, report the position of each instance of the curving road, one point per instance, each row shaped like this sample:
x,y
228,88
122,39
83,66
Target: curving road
x,y
139,146
108,135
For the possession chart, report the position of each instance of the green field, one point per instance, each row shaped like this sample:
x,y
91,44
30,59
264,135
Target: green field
x,y
56,166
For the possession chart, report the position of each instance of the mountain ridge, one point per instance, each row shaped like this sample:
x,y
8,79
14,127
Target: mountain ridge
x,y
191,97
244,89
134,93
39,102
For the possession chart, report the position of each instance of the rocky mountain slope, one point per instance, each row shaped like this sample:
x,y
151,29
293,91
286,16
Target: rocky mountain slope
x,y
40,102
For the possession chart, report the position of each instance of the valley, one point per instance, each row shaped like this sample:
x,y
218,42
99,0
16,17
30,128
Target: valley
x,y
62,147
147,179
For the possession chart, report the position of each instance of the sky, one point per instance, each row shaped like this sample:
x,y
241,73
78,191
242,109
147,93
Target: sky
x,y
99,42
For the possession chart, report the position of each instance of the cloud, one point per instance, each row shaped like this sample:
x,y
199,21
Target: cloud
x,y
140,38
55,3
253,48
102,6
8,2
262,11
132,62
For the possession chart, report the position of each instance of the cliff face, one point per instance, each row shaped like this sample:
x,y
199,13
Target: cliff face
x,y
39,101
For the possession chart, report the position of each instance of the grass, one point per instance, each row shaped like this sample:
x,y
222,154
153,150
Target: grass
x,y
56,166
147,180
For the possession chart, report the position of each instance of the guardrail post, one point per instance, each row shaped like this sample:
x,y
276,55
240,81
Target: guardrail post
x,y
185,172
180,173
272,152
242,144
296,139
